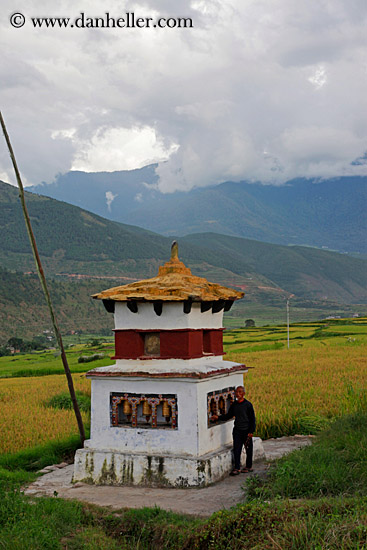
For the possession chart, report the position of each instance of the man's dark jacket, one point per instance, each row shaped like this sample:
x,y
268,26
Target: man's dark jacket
x,y
244,416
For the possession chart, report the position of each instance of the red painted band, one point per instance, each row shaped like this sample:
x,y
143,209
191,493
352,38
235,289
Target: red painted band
x,y
170,344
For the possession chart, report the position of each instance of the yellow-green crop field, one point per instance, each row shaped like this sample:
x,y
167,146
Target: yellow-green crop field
x,y
25,420
322,375
297,390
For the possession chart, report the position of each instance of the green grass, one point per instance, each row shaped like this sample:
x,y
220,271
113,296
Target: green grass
x,y
51,523
335,465
63,401
25,524
331,332
21,467
49,362
265,314
315,498
327,483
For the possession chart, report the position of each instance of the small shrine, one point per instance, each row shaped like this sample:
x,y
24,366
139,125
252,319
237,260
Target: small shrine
x,y
150,416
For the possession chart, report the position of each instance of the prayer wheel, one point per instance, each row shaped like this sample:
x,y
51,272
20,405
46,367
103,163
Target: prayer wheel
x,y
222,405
213,407
147,410
166,411
127,409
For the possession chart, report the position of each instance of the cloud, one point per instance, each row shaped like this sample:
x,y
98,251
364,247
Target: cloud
x,y
110,197
319,77
262,90
110,148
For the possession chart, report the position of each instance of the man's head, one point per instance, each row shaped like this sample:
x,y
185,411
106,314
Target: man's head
x,y
240,393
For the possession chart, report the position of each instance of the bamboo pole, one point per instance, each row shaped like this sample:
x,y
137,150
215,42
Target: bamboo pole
x,y
44,284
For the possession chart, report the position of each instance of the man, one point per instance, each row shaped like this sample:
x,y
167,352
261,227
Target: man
x,y
243,430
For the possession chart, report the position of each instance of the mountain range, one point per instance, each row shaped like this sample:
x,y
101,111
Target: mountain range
x,y
83,253
329,214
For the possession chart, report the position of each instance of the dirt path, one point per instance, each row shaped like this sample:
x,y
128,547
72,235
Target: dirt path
x,y
201,502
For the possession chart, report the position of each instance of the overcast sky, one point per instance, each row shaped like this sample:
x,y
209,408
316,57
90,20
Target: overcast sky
x,y
258,90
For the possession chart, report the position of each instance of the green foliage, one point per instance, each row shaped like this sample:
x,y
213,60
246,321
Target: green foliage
x,y
311,423
24,312
331,212
351,332
309,273
90,358
52,523
66,232
74,241
35,525
20,467
336,464
356,398
261,347
339,521
93,538
63,401
49,362
37,343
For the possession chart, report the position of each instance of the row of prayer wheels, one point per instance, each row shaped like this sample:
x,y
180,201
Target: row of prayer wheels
x,y
218,407
147,410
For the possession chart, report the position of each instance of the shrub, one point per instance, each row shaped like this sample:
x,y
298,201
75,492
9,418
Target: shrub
x,y
63,401
89,358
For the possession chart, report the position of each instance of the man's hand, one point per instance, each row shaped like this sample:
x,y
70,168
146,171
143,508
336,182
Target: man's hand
x,y
213,418
248,440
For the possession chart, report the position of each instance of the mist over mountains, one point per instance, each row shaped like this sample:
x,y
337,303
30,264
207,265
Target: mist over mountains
x,y
325,214
83,253
75,241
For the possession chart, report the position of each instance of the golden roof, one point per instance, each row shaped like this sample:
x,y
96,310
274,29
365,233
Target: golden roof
x,y
174,282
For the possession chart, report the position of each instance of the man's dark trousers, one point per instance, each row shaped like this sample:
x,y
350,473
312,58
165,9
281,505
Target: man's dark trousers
x,y
239,440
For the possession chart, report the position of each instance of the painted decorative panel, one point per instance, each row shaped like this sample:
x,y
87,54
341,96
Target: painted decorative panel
x,y
152,343
131,410
218,402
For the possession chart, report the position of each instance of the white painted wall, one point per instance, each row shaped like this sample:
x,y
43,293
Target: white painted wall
x,y
173,317
192,438
218,435
149,441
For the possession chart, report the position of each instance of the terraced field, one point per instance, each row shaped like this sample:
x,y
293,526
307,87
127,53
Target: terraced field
x,y
298,390
322,375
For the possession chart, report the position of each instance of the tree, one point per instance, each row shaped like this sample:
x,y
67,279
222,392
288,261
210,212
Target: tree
x,y
94,342
4,351
16,343
249,323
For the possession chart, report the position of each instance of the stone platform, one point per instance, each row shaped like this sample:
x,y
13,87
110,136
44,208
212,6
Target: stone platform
x,y
106,467
200,502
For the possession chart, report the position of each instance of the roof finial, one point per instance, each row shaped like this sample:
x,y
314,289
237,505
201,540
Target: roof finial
x,y
174,250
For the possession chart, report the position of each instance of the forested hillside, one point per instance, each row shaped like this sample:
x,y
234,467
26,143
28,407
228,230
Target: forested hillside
x,y
323,213
24,312
72,240
78,246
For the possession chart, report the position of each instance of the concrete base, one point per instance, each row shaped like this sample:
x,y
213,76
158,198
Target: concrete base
x,y
109,467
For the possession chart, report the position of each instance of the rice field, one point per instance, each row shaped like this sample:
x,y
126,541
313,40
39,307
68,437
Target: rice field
x,y
25,420
298,390
44,363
